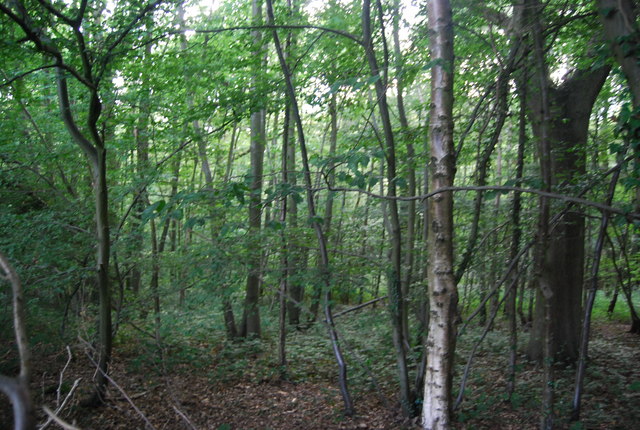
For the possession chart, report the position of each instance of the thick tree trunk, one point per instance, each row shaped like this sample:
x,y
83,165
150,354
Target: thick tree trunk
x,y
571,104
542,271
443,294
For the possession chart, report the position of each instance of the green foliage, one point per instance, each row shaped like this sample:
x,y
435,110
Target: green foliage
x,y
173,99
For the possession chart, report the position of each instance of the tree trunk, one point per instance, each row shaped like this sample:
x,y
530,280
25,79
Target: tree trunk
x,y
571,104
411,177
322,241
510,301
394,274
97,156
443,294
251,315
542,271
621,30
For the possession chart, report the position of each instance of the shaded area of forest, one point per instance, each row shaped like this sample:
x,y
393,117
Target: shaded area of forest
x,y
220,385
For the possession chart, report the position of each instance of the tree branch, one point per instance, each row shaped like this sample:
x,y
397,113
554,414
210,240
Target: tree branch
x,y
23,74
17,389
630,216
345,34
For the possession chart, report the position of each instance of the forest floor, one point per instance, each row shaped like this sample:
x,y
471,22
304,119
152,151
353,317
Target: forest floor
x,y
239,386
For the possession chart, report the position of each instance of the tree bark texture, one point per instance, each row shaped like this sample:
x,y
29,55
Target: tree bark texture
x,y
510,301
570,104
621,30
443,294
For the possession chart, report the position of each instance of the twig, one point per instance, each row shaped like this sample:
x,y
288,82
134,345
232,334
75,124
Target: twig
x,y
355,308
503,188
52,416
60,407
120,389
17,389
184,417
62,375
9,273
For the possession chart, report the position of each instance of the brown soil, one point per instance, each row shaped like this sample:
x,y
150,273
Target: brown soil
x,y
192,398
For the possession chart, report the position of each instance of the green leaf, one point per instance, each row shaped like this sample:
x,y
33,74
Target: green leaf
x,y
490,195
192,222
438,62
577,426
297,197
275,225
315,220
400,182
176,214
373,79
152,211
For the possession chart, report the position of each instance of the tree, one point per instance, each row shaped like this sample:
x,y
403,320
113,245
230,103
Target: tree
x,y
17,389
251,316
92,145
443,294
317,227
570,105
394,275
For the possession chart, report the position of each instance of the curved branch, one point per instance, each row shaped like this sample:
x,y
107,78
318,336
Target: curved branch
x,y
20,328
67,117
563,197
27,73
107,55
17,389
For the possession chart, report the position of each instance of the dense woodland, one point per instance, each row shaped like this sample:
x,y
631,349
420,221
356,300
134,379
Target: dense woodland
x,y
319,214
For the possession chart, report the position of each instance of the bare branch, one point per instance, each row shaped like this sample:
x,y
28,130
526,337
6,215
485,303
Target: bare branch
x,y
18,317
360,306
28,72
118,387
17,389
563,197
52,416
